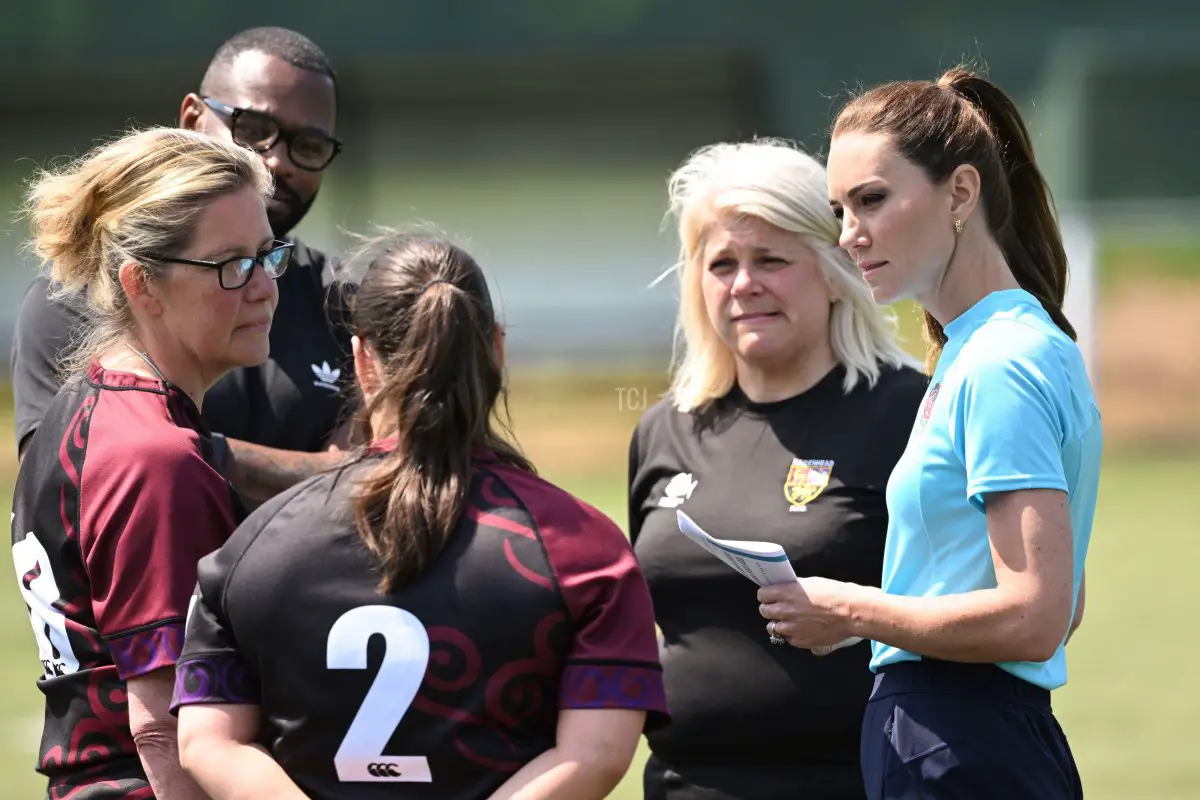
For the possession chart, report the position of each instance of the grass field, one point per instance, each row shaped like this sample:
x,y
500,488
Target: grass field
x,y
1130,707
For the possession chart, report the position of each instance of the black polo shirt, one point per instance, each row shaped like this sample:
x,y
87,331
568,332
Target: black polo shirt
x,y
751,719
294,401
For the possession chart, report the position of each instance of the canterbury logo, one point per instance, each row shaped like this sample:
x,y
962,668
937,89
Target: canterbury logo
x,y
383,770
327,376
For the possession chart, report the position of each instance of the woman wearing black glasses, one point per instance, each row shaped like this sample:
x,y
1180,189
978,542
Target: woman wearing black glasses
x,y
163,234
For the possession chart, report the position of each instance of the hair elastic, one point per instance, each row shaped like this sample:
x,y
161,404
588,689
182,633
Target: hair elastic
x,y
433,283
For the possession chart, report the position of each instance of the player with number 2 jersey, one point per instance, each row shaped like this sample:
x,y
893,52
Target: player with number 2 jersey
x,y
445,687
433,620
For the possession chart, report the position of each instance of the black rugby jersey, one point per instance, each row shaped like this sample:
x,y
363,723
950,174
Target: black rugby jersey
x,y
294,401
449,685
115,502
809,473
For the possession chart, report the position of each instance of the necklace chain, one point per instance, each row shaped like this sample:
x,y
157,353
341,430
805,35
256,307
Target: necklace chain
x,y
146,358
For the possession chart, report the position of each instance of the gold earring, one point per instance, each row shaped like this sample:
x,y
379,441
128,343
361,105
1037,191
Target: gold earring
x,y
957,227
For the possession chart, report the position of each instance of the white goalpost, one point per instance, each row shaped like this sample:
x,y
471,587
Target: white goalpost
x,y
1057,122
1079,240
1059,118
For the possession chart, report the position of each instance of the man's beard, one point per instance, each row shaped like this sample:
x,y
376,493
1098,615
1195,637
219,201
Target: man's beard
x,y
294,209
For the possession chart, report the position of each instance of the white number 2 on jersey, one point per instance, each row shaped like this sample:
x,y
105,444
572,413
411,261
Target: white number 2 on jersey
x,y
49,625
360,756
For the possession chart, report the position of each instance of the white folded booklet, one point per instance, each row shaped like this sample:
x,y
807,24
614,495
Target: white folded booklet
x,y
765,563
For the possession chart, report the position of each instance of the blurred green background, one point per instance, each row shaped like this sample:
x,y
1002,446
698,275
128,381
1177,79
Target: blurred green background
x,y
541,134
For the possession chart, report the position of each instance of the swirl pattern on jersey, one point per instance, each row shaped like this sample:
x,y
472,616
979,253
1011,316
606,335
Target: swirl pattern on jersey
x,y
95,784
70,457
504,713
100,757
612,686
145,651
216,679
518,697
522,692
454,661
493,506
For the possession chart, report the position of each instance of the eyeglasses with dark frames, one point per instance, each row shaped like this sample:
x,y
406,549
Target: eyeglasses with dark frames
x,y
310,149
234,273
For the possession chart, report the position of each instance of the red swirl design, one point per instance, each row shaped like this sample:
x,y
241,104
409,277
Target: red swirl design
x,y
96,740
492,520
93,784
444,644
525,572
487,490
76,439
526,683
516,693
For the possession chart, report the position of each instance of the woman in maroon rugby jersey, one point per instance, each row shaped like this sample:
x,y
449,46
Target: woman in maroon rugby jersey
x,y
117,497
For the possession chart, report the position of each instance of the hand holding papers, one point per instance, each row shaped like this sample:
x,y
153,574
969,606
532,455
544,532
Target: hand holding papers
x,y
765,563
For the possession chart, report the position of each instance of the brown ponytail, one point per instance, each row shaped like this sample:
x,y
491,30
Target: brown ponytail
x,y
424,311
966,119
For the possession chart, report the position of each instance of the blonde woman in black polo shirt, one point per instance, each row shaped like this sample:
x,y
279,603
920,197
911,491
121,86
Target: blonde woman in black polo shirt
x,y
790,405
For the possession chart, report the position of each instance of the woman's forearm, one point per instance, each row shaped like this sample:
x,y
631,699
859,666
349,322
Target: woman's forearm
x,y
157,750
555,775
155,735
231,771
987,625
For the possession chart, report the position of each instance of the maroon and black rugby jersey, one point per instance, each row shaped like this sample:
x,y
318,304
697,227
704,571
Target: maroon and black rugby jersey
x,y
449,685
115,503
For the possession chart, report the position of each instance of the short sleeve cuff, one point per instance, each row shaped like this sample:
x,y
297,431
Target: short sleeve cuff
x,y
977,489
632,685
214,679
142,652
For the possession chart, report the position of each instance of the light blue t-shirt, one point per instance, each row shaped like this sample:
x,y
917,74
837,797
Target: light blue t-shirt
x,y
1009,407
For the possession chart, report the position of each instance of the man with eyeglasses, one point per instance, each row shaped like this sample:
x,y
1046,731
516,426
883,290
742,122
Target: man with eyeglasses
x,y
274,91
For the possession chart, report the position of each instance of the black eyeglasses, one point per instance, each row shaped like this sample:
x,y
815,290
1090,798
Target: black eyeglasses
x,y
234,273
309,148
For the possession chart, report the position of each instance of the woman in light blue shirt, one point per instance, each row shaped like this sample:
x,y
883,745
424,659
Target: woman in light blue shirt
x,y
991,504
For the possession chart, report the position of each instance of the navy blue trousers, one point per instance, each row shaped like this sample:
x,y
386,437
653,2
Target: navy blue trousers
x,y
937,730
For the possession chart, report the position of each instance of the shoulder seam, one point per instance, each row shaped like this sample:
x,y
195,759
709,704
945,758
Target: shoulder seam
x,y
536,528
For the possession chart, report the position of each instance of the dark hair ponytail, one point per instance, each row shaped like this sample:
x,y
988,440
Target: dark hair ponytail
x,y
966,119
1029,237
424,312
